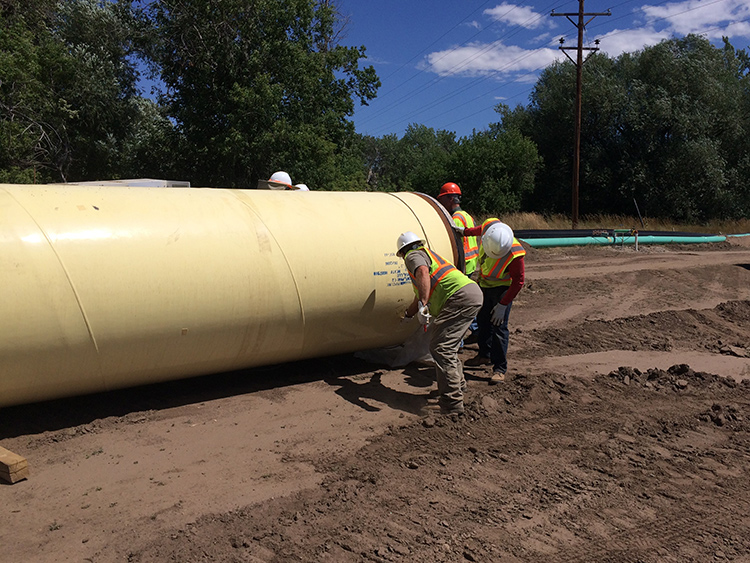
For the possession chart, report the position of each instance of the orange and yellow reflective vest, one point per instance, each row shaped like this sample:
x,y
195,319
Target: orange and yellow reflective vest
x,y
445,280
493,272
471,244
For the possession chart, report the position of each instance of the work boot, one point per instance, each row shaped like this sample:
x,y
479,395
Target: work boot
x,y
457,409
497,377
434,409
451,406
478,360
471,338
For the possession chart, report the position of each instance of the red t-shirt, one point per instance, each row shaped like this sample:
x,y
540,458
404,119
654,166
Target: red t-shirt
x,y
517,272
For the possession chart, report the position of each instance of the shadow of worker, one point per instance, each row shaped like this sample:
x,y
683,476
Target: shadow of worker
x,y
373,390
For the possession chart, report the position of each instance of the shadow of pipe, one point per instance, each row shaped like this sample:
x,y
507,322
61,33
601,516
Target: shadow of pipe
x,y
70,412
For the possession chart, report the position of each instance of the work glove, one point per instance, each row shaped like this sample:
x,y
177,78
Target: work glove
x,y
423,315
459,230
498,314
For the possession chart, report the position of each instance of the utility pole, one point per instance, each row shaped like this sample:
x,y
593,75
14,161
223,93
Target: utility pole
x,y
581,25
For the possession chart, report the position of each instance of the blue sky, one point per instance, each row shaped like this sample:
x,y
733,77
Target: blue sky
x,y
447,63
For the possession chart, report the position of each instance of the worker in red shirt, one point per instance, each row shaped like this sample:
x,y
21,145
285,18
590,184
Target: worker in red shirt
x,y
501,277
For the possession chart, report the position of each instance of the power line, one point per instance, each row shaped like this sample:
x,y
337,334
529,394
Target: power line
x,y
485,108
581,27
666,17
452,70
464,63
472,84
426,48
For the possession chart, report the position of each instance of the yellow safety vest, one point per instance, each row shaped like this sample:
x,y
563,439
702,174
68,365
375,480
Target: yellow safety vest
x,y
471,244
493,272
445,280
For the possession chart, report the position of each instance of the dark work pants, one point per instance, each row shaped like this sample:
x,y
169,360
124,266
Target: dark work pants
x,y
447,330
493,340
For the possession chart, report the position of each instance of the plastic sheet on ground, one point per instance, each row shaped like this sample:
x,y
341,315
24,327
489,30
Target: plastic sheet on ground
x,y
416,349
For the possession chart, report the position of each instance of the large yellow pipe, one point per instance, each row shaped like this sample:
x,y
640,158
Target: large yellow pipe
x,y
108,287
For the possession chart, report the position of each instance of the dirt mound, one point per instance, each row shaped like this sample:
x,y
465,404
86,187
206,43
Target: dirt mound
x,y
714,330
631,466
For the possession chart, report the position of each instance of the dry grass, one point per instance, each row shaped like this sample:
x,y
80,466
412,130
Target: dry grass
x,y
536,221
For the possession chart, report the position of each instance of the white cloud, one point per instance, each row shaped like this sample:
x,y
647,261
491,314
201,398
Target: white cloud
x,y
621,41
475,24
541,37
710,18
739,29
513,14
694,16
478,59
377,60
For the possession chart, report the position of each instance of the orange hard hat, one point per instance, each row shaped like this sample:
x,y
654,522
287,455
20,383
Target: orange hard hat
x,y
449,188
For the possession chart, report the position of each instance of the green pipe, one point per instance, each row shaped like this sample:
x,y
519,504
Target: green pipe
x,y
607,241
651,239
568,241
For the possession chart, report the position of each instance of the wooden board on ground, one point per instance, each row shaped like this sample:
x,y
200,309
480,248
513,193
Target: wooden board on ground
x,y
13,467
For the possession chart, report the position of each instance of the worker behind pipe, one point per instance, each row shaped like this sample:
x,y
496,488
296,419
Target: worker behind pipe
x,y
280,181
450,198
501,277
448,300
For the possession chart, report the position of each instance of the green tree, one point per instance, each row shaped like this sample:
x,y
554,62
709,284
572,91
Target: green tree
x,y
380,156
33,146
416,162
495,168
548,122
667,126
67,92
101,85
258,85
150,150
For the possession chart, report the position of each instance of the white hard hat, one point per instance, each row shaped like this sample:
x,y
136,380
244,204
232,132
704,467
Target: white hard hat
x,y
405,239
302,187
497,240
281,177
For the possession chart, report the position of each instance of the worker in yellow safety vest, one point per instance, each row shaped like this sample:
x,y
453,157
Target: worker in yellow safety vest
x,y
450,198
501,277
447,300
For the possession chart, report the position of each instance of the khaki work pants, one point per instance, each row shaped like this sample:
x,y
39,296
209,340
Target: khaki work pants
x,y
447,332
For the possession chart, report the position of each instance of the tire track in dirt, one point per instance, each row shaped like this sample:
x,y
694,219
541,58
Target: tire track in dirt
x,y
620,484
662,536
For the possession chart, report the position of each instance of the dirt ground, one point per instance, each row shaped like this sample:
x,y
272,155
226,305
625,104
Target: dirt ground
x,y
622,434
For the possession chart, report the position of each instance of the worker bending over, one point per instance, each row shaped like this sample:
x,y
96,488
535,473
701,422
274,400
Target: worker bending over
x,y
501,277
448,300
